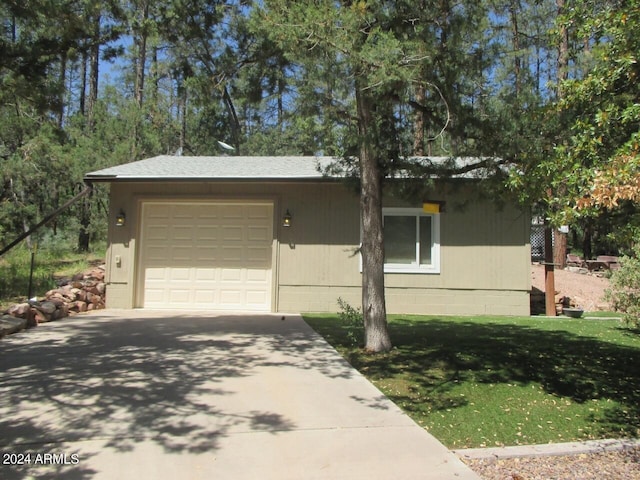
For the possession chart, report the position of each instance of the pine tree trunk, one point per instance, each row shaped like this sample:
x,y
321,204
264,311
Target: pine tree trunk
x,y
94,74
419,123
83,84
84,236
141,42
62,80
373,301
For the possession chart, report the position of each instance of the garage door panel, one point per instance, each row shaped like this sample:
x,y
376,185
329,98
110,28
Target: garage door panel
x,y
206,255
256,275
152,274
234,211
182,233
180,297
229,297
257,257
179,274
256,297
154,295
232,256
232,233
207,232
205,274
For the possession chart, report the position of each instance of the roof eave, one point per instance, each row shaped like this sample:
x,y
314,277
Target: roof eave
x,y
129,179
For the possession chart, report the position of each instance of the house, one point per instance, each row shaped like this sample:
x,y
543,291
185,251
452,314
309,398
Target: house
x,y
273,234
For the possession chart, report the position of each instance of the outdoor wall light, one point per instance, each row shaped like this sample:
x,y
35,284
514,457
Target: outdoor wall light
x,y
286,220
121,219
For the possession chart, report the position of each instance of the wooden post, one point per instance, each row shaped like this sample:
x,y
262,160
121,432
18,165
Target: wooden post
x,y
549,275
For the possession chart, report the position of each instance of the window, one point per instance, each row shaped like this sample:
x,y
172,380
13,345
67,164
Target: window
x,y
411,241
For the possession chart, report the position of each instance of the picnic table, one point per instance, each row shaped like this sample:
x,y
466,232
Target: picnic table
x,y
602,262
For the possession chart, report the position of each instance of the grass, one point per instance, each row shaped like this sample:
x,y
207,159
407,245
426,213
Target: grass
x,y
493,381
51,263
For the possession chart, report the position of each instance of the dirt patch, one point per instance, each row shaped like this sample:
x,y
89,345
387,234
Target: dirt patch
x,y
585,290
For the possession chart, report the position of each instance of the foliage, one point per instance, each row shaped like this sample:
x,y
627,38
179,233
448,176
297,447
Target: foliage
x,y
491,381
624,290
600,159
353,322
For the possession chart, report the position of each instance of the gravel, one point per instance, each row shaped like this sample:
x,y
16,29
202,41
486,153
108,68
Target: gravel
x,y
622,464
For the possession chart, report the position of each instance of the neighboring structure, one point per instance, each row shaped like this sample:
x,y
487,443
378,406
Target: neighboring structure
x,y
274,234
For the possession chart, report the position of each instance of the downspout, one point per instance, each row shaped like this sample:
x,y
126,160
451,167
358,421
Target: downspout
x,y
87,189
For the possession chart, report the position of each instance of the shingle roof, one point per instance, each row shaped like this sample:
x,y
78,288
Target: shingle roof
x,y
166,167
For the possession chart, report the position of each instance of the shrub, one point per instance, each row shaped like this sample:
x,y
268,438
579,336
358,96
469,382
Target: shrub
x,y
353,321
624,291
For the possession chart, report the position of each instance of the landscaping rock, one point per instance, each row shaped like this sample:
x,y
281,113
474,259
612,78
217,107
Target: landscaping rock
x,y
10,324
83,292
19,310
45,307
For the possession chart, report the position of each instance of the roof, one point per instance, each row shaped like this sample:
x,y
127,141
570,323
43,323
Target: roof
x,y
177,168
165,167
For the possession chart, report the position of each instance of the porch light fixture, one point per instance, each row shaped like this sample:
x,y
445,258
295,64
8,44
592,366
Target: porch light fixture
x,y
121,219
286,220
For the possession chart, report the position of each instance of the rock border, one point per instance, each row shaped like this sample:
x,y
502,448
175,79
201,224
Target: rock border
x,y
83,292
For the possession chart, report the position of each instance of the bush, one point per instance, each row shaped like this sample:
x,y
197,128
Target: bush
x,y
354,322
624,291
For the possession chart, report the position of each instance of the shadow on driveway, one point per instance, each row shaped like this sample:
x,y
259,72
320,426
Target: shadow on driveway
x,y
138,394
162,379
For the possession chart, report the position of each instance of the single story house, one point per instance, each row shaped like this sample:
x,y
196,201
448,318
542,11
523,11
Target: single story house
x,y
273,234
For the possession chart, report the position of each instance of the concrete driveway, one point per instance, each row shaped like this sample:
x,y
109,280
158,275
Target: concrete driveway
x,y
165,395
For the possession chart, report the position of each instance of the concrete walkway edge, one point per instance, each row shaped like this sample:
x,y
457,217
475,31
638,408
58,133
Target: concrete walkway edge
x,y
550,449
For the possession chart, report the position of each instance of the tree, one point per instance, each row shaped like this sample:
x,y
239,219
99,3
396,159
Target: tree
x,y
601,156
382,50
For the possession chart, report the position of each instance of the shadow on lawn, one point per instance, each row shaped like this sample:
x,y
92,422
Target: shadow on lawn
x,y
438,354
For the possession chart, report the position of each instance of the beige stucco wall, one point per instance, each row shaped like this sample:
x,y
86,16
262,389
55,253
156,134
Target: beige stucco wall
x,y
485,251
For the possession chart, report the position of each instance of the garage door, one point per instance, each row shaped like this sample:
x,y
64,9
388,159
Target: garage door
x,y
206,255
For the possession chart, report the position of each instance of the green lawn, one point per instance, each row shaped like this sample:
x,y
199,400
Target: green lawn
x,y
488,381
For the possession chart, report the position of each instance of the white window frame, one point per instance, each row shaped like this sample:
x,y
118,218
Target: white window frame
x,y
434,267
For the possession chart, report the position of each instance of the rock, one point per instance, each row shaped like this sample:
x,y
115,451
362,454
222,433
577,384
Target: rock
x,y
98,274
41,317
46,307
63,311
59,313
57,301
84,291
580,270
79,306
10,324
20,310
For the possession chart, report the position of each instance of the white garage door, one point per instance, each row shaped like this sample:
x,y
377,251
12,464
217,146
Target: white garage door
x,y
206,255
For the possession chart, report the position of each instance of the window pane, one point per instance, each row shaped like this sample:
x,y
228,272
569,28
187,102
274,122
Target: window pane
x,y
425,240
400,239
